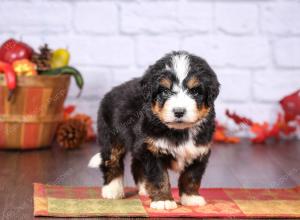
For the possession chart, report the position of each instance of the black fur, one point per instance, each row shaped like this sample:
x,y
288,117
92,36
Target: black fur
x,y
125,118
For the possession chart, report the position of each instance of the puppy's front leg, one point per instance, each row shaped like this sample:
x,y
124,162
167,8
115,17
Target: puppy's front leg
x,y
157,182
189,182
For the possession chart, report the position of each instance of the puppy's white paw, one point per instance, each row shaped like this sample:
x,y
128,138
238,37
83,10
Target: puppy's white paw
x,y
167,204
113,190
192,200
142,189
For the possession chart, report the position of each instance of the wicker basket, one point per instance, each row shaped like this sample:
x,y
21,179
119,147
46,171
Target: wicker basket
x,y
29,120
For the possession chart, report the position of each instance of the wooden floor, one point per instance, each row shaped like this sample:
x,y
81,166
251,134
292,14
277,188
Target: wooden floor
x,y
242,165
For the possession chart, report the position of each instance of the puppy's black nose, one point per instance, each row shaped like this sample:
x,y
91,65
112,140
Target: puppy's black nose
x,y
179,112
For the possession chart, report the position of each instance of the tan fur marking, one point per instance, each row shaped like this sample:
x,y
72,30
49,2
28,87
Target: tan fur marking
x,y
193,82
203,112
165,82
151,147
158,111
182,125
117,152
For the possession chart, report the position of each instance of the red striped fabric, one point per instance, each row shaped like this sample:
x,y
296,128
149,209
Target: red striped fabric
x,y
33,105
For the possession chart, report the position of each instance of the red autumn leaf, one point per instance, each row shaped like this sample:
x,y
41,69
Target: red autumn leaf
x,y
291,106
288,130
68,110
284,126
276,128
238,119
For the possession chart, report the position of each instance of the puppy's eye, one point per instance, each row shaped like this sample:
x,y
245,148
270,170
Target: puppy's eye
x,y
196,91
163,90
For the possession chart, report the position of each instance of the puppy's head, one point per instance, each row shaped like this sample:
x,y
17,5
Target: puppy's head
x,y
181,88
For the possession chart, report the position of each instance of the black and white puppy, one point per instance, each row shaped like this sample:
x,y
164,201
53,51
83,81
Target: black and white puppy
x,y
166,120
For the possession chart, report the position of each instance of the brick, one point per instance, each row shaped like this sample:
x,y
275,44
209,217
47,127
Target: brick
x,y
104,51
230,51
78,47
193,17
26,17
235,85
97,81
100,17
5,36
236,17
150,48
153,17
281,17
121,75
113,51
35,41
88,107
271,86
287,52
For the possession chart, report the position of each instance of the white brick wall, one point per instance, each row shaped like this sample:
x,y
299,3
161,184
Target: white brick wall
x,y
254,46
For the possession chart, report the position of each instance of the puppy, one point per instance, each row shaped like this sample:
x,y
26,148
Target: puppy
x,y
166,120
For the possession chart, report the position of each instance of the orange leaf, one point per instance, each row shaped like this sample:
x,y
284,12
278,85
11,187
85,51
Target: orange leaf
x,y
261,132
221,136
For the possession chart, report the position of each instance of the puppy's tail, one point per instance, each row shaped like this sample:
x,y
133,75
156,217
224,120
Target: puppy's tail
x,y
95,161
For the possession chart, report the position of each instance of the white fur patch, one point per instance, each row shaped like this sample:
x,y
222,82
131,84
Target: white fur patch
x,y
114,190
95,161
184,153
192,200
142,189
181,100
167,204
181,66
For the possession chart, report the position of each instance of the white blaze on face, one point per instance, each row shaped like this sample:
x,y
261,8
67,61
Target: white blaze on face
x,y
181,67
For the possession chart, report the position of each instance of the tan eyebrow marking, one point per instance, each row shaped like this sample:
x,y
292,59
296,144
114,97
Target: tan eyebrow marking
x,y
165,82
193,82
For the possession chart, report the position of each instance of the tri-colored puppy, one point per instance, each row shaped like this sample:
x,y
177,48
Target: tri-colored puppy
x,y
166,120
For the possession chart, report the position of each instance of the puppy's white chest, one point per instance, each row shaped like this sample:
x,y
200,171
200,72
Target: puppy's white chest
x,y
184,153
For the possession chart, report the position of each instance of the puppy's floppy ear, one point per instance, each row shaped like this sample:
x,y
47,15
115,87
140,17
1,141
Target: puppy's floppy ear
x,y
212,92
212,89
147,83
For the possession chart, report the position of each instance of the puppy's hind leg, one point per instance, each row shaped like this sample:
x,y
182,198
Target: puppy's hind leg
x,y
112,167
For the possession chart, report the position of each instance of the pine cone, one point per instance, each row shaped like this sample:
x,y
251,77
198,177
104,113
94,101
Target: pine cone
x,y
71,134
42,59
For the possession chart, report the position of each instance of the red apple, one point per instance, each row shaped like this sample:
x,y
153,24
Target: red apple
x,y
12,50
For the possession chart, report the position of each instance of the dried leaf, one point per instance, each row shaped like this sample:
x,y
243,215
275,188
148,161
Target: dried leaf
x,y
261,132
220,135
291,106
238,119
